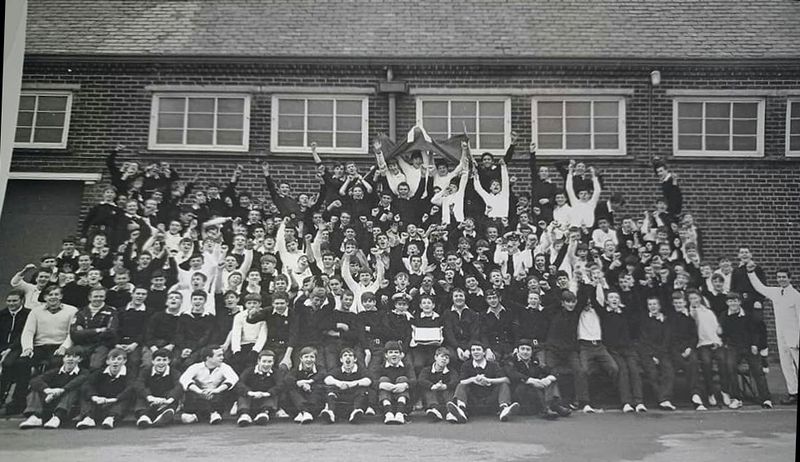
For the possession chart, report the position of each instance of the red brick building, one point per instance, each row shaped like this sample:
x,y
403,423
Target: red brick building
x,y
208,84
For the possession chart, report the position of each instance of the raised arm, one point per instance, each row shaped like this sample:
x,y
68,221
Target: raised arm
x,y
596,186
573,199
346,276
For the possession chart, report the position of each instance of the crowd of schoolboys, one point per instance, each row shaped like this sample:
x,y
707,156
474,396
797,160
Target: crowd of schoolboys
x,y
407,287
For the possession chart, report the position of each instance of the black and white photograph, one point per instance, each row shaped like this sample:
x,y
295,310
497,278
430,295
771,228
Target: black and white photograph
x,y
400,230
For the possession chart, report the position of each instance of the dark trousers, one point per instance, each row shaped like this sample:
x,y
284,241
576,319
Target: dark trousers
x,y
535,400
730,375
661,376
198,404
277,347
707,355
60,407
629,378
569,362
345,401
94,356
483,397
689,365
306,401
391,402
101,411
15,371
252,406
437,399
595,357
143,407
244,359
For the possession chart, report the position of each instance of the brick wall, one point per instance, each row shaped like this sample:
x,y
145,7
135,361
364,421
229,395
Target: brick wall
x,y
735,201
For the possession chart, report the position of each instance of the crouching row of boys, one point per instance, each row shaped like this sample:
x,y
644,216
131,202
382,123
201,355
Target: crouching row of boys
x,y
210,388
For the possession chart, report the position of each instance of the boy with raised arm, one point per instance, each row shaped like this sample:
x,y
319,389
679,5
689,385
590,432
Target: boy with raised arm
x,y
583,205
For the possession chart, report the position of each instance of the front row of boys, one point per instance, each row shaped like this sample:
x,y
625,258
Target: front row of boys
x,y
209,388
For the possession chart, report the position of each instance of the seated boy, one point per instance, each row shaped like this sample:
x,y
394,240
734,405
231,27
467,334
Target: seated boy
x,y
305,387
258,390
159,391
107,394
247,339
394,381
55,393
437,383
483,384
533,385
347,388
208,386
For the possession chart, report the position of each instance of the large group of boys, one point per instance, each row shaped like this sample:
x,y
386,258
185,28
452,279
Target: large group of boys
x,y
410,287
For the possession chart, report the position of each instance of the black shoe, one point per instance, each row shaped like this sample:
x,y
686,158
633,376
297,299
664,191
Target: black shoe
x,y
789,400
549,414
561,410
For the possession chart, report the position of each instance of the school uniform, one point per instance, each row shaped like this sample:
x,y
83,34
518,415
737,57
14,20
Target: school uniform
x,y
422,355
193,332
353,338
306,401
438,398
532,323
530,398
654,345
479,396
460,329
683,336
312,323
159,385
739,333
347,400
496,331
253,379
15,370
62,406
617,341
107,385
374,333
204,378
402,372
132,328
562,353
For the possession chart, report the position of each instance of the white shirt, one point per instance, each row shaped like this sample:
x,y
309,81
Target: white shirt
x,y
786,305
589,326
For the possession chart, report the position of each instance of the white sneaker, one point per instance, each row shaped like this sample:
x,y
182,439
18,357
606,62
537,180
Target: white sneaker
x,y
712,400
164,418
189,418
667,405
700,407
766,405
388,418
328,415
400,418
370,411
87,422
299,418
434,414
355,416
214,418
590,410
641,408
307,417
108,423
235,409
451,418
506,411
144,422
726,399
31,422
244,420
735,404
261,419
281,414
626,408
53,423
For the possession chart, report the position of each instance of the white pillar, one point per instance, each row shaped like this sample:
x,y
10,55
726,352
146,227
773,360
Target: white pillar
x,y
13,57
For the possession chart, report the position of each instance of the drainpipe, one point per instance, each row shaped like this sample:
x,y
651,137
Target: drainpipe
x,y
392,88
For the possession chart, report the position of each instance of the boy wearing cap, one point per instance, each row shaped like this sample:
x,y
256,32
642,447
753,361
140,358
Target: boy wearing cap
x,y
394,381
158,391
483,384
437,383
259,389
108,394
533,385
54,394
305,386
397,322
347,388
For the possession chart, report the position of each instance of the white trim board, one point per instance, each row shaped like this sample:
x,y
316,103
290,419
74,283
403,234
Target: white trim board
x,y
88,178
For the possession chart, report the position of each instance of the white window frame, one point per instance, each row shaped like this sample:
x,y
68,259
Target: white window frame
x,y
153,145
789,103
363,149
67,116
475,146
621,142
759,152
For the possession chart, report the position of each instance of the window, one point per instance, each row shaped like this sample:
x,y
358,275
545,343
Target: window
x,y
43,120
200,122
338,124
487,121
718,127
793,128
579,125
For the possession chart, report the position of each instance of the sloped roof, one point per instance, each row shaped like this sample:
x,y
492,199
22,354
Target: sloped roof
x,y
615,29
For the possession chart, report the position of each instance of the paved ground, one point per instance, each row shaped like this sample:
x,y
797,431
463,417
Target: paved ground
x,y
720,435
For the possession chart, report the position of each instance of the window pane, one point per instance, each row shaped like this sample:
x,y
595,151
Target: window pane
x,y
690,110
492,125
462,108
52,103
491,141
320,107
457,126
547,125
320,123
606,142
720,110
23,135
290,139
794,143
348,140
200,121
171,104
199,137
170,121
50,119
578,109
348,107
291,106
578,125
745,127
348,124
322,138
286,122
229,137
690,143
435,125
229,121
717,127
579,141
717,143
27,103
606,109
745,110
169,136
492,108
24,119
434,108
549,108
201,104
606,125
744,143
690,126
795,109
47,135
795,127
230,105
549,142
